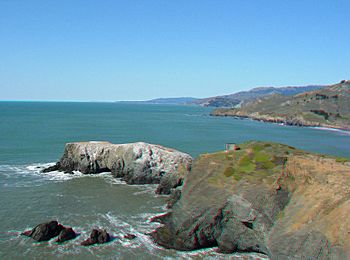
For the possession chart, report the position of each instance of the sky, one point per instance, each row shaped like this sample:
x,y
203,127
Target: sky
x,y
141,49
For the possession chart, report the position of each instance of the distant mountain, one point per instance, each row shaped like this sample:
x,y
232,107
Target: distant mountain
x,y
329,107
235,99
174,101
165,101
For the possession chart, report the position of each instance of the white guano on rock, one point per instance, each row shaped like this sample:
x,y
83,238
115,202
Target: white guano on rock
x,y
135,163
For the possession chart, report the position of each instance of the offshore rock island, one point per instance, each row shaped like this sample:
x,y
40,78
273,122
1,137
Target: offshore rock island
x,y
263,198
135,163
325,107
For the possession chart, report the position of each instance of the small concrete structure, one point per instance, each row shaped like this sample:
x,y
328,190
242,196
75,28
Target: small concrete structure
x,y
231,146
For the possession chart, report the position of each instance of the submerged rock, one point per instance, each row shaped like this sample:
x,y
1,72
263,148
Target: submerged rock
x,y
135,163
97,236
130,236
51,168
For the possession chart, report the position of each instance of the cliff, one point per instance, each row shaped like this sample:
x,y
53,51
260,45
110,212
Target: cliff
x,y
267,198
243,97
328,107
135,163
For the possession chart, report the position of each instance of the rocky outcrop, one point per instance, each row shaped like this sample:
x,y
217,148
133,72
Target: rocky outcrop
x,y
97,236
265,198
65,235
135,163
49,230
129,236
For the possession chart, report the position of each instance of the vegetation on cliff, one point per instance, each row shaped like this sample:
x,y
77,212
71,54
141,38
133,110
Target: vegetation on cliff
x,y
242,97
329,107
267,198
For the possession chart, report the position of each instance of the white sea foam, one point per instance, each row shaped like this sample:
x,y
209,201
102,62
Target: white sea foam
x,y
146,188
340,131
143,227
39,166
31,175
140,228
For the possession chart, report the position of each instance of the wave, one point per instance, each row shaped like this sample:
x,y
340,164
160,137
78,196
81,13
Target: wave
x,y
343,132
196,115
31,175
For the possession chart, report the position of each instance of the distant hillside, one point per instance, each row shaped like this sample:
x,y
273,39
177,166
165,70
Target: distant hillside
x,y
180,100
329,106
246,96
165,101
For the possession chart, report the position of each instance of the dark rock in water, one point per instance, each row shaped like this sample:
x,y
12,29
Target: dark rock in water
x,y
26,233
97,236
53,168
130,236
160,218
44,231
66,234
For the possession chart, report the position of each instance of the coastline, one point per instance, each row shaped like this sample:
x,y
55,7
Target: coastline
x,y
283,121
237,201
103,211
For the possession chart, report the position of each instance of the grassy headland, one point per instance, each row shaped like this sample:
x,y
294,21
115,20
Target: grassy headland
x,y
326,107
267,198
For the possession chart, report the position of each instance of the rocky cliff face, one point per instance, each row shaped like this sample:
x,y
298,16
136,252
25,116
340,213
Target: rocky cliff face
x,y
266,198
135,163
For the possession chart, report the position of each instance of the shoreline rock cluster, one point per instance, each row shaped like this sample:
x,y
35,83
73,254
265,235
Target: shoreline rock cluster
x,y
135,163
289,121
48,230
292,121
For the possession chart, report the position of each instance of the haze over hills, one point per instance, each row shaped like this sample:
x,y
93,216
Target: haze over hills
x,y
230,100
329,107
168,101
235,99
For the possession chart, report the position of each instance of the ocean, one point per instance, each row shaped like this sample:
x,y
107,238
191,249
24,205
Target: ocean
x,y
33,135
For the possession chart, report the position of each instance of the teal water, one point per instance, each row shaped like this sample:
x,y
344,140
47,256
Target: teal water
x,y
33,134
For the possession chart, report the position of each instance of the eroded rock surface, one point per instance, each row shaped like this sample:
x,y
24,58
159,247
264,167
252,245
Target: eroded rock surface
x,y
265,198
135,163
49,230
97,236
66,234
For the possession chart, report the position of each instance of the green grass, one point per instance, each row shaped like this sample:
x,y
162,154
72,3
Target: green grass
x,y
342,159
248,168
246,165
229,171
253,162
257,148
268,165
262,157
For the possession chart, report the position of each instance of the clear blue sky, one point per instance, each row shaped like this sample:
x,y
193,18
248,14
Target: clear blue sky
x,y
134,50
